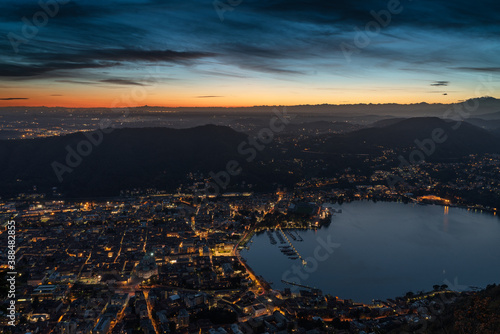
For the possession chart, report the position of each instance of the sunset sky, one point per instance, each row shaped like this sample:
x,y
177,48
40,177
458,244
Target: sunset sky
x,y
190,53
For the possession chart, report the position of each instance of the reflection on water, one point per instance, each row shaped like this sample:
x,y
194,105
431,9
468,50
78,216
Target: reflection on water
x,y
386,250
445,218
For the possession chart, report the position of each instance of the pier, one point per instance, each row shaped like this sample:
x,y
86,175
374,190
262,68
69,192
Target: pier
x,y
271,237
295,237
297,284
304,262
280,238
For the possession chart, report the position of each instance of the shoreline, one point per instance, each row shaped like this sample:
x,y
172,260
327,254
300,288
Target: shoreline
x,y
416,294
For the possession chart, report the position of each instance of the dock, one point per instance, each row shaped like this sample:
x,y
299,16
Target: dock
x,y
304,262
297,284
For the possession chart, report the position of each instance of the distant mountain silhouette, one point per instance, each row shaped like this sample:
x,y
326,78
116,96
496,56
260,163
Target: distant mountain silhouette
x,y
490,124
162,157
483,105
490,116
386,122
463,140
126,158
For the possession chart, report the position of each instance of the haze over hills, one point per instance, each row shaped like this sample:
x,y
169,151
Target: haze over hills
x,y
461,138
162,157
125,158
33,122
485,123
386,122
481,106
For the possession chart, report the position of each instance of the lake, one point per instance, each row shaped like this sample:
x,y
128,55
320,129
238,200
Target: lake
x,y
383,250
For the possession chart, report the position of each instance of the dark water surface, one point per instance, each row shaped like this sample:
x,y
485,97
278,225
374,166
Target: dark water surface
x,y
383,250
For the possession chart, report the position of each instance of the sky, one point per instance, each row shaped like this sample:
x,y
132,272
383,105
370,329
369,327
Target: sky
x,y
246,52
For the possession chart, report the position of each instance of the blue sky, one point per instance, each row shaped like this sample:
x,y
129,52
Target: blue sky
x,y
260,52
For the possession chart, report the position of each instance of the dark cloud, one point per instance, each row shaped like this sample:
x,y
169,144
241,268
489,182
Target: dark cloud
x,y
314,11
13,98
26,71
71,10
441,92
440,83
50,62
207,96
78,82
478,69
134,55
125,82
222,74
115,56
271,69
436,14
243,50
274,38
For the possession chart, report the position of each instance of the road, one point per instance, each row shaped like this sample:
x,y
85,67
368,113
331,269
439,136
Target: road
x,y
263,285
150,311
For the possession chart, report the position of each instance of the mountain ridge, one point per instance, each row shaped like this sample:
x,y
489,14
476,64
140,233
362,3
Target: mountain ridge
x,y
162,158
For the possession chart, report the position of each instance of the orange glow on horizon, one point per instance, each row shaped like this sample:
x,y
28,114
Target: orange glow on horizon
x,y
104,102
230,96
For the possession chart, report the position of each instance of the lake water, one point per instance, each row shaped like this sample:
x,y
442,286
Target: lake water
x,y
383,250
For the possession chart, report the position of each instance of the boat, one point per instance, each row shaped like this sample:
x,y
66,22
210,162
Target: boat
x,y
280,237
291,235
271,237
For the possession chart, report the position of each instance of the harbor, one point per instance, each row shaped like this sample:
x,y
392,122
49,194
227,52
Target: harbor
x,y
290,250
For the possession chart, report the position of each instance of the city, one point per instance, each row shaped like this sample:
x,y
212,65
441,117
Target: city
x,y
170,263
249,167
